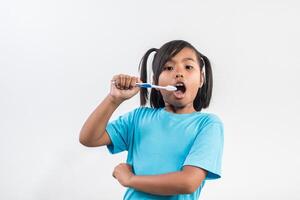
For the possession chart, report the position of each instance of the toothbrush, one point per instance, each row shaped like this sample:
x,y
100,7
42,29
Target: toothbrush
x,y
148,85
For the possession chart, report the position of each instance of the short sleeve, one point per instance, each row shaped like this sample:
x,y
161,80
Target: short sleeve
x,y
120,132
207,149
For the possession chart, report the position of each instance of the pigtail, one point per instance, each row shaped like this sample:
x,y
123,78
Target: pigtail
x,y
143,76
205,92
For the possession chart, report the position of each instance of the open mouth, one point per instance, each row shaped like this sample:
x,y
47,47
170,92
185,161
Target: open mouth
x,y
180,92
180,87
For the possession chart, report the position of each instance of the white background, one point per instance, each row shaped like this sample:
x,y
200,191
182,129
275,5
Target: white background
x,y
56,62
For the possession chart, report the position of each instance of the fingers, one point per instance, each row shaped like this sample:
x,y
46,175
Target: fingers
x,y
129,167
115,81
125,82
138,80
121,167
133,82
122,81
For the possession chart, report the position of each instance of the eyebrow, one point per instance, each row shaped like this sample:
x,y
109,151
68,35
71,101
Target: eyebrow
x,y
185,59
188,59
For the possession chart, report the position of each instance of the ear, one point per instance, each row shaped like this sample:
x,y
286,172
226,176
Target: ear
x,y
201,79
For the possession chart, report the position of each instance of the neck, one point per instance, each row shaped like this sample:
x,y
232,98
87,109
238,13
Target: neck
x,y
180,109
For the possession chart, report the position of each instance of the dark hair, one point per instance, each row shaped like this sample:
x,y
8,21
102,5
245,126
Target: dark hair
x,y
164,54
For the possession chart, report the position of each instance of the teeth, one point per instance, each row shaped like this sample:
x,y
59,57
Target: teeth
x,y
179,84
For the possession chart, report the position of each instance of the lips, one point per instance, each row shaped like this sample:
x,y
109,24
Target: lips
x,y
180,92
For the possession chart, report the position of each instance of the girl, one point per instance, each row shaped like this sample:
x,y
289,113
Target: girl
x,y
173,147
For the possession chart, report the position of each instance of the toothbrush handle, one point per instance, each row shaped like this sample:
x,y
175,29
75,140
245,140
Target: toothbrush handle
x,y
144,85
157,86
148,85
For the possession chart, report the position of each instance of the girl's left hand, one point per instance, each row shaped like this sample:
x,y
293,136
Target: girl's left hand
x,y
123,173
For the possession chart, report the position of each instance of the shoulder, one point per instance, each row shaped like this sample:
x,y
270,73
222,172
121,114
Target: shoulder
x,y
210,118
210,128
211,121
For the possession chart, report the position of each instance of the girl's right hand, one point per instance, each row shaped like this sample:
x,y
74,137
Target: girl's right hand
x,y
123,87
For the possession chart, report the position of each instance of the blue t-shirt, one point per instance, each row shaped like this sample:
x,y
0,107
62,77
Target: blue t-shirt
x,y
160,142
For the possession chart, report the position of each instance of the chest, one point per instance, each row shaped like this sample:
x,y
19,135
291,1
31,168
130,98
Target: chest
x,y
161,147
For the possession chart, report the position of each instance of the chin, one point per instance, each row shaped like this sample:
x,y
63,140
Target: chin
x,y
179,103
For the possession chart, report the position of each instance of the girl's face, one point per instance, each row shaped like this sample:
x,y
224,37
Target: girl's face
x,y
182,71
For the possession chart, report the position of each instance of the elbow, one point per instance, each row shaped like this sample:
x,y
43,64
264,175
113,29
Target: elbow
x,y
192,178
190,186
190,189
83,140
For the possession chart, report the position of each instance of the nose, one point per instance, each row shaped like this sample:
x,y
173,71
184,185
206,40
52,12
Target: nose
x,y
179,75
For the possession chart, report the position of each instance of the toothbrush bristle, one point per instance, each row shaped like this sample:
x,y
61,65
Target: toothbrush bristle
x,y
171,88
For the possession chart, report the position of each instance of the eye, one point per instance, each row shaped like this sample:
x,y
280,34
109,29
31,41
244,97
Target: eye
x,y
168,68
189,67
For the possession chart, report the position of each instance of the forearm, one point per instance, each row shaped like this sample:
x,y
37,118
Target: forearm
x,y
96,123
165,184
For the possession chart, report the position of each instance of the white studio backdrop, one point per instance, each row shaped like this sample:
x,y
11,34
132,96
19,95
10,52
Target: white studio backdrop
x,y
56,62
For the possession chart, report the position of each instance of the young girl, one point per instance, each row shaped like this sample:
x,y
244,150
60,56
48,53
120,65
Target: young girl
x,y
173,148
